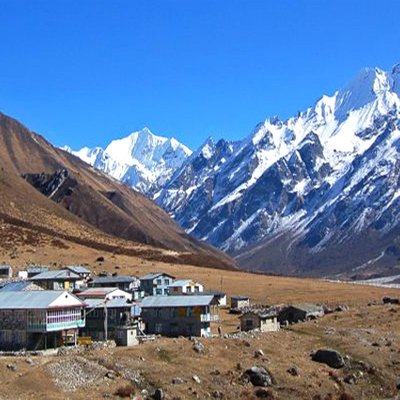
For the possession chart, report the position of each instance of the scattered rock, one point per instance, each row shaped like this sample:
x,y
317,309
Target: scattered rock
x,y
330,357
158,394
29,361
199,347
258,353
196,379
294,371
258,376
342,308
111,375
264,394
350,379
12,367
217,394
178,381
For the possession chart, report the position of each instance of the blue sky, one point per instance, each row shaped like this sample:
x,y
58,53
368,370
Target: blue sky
x,y
82,72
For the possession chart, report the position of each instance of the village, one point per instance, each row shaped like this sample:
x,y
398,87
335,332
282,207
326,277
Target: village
x,y
43,309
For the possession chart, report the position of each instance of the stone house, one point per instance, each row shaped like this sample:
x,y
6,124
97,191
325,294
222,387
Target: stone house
x,y
105,317
240,302
156,284
39,319
300,312
83,272
185,286
179,315
123,282
264,320
62,279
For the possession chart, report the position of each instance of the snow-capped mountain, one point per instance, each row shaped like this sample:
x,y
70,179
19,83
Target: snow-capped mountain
x,y
141,160
316,194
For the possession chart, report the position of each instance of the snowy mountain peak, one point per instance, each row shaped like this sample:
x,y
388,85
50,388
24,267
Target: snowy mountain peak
x,y
141,160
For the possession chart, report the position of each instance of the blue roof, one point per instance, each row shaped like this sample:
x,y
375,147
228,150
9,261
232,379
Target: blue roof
x,y
16,286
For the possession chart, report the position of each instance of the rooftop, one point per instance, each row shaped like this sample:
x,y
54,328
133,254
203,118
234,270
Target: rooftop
x,y
113,303
96,291
240,297
182,282
176,301
41,299
114,279
78,269
154,275
19,286
55,275
308,307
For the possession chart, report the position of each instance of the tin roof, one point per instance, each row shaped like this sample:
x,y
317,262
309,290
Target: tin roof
x,y
55,275
112,303
240,297
155,275
78,269
183,282
18,286
37,268
96,291
113,279
41,299
263,314
176,301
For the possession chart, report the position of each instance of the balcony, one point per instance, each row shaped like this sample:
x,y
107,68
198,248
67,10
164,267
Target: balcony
x,y
209,317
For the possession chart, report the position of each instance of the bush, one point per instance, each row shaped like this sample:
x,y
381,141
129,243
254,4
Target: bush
x,y
126,391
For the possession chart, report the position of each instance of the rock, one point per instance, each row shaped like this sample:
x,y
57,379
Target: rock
x,y
330,357
294,371
258,376
350,379
217,394
258,353
246,343
196,379
158,394
29,361
178,381
398,386
239,366
264,394
12,367
342,308
199,347
111,375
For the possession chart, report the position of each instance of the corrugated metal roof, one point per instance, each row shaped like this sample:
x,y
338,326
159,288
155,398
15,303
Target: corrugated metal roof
x,y
78,269
113,303
113,279
240,297
176,301
308,307
180,283
36,268
97,291
34,300
54,275
17,286
155,275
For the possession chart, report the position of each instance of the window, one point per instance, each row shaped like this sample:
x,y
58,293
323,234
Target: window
x,y
158,281
158,292
166,281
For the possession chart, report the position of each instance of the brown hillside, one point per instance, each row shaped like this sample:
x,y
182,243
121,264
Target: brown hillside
x,y
86,206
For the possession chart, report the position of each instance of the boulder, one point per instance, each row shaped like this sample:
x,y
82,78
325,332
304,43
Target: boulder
x,y
258,353
258,376
294,371
158,394
330,357
196,379
178,381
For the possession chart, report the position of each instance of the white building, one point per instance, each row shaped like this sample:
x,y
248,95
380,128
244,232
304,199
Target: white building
x,y
185,286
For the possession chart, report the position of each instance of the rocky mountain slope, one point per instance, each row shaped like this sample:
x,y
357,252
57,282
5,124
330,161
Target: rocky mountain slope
x,y
141,160
317,194
51,192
